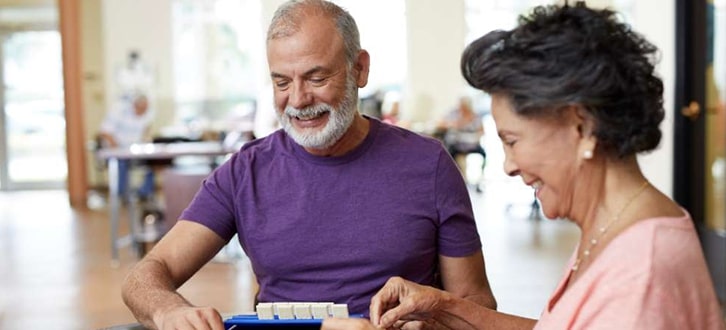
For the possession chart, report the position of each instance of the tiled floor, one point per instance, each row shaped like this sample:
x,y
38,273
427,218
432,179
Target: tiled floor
x,y
56,272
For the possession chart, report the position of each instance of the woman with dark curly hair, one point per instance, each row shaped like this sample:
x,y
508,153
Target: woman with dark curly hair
x,y
575,98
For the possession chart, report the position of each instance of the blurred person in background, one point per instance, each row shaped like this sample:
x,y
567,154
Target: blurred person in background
x,y
462,130
129,122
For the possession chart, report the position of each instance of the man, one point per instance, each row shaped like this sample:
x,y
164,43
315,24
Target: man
x,y
128,123
327,208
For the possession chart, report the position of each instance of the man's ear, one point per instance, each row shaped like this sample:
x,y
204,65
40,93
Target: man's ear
x,y
362,67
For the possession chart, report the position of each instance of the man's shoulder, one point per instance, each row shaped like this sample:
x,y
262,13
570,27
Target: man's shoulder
x,y
273,144
408,137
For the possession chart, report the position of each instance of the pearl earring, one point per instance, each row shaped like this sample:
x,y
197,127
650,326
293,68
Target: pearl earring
x,y
587,154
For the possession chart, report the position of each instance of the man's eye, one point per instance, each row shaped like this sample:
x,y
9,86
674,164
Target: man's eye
x,y
317,81
282,84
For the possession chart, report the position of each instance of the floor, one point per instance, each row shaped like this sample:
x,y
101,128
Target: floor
x,y
56,270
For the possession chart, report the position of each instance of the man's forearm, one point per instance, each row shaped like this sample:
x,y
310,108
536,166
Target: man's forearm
x,y
148,290
483,299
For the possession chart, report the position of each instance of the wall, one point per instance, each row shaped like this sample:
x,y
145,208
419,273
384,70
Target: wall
x,y
25,3
436,32
144,26
94,102
660,30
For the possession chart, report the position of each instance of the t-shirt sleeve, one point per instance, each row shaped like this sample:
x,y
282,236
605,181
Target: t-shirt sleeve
x,y
458,235
212,206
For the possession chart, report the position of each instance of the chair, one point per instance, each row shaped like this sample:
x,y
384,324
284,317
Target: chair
x,y
178,189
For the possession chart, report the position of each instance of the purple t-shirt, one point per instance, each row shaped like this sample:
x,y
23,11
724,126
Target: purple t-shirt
x,y
336,228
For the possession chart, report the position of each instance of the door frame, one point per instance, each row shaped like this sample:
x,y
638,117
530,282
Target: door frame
x,y
689,163
5,183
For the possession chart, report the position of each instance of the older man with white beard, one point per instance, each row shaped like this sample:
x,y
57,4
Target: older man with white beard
x,y
330,206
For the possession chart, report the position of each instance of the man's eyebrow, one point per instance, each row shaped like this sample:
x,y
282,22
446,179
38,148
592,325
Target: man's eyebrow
x,y
314,70
277,75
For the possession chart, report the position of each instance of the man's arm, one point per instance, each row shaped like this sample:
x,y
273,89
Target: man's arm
x,y
466,277
149,289
107,140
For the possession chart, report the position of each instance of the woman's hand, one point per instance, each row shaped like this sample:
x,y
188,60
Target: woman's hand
x,y
402,300
364,324
347,324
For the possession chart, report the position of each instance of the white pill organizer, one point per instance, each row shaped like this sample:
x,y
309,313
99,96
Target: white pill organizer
x,y
285,315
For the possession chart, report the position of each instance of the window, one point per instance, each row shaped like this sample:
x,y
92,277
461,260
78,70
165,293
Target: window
x,y
216,61
382,26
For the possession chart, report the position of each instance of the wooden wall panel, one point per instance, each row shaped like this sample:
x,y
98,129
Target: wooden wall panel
x,y
69,26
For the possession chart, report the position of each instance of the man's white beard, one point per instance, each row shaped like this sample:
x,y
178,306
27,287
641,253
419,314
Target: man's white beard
x,y
339,120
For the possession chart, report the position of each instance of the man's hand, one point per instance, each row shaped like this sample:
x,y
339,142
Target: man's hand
x,y
187,317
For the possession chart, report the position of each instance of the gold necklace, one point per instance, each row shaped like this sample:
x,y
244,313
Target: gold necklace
x,y
604,229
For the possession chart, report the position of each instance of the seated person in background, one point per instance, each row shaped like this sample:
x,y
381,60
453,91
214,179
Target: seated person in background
x,y
576,79
462,132
328,207
391,115
127,123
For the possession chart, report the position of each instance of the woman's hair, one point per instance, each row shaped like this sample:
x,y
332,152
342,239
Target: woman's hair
x,y
289,15
560,56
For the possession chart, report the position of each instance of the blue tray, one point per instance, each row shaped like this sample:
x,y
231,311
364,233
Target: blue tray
x,y
250,321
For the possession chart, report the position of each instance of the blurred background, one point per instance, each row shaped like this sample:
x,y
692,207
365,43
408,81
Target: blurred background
x,y
203,65
65,64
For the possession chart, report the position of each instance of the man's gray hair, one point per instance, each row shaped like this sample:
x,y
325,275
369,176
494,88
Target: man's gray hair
x,y
287,18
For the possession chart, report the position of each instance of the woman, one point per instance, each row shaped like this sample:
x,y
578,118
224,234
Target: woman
x,y
575,98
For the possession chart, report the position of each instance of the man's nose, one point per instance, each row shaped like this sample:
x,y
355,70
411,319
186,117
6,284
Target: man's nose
x,y
300,96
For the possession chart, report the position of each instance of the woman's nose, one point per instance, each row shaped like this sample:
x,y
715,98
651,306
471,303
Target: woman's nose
x,y
510,167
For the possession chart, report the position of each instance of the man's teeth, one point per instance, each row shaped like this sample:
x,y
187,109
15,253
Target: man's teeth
x,y
308,117
537,185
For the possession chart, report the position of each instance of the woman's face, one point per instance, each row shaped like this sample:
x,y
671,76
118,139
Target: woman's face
x,y
544,152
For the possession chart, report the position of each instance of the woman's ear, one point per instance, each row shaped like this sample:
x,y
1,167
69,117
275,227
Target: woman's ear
x,y
586,126
583,119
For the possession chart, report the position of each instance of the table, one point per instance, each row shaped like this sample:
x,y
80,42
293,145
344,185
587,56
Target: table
x,y
146,151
